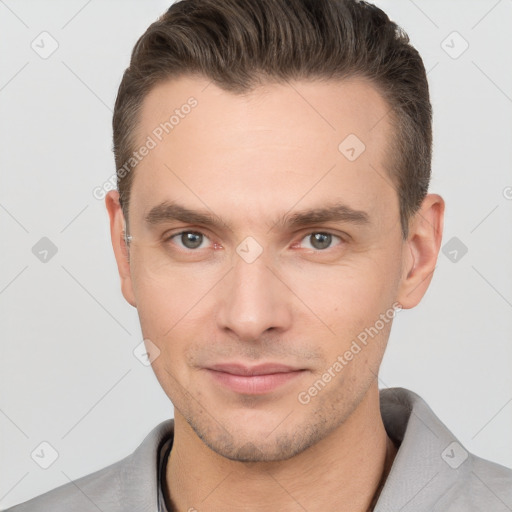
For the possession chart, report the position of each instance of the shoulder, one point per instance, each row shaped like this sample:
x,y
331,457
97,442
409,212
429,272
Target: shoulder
x,y
433,471
482,485
128,484
88,493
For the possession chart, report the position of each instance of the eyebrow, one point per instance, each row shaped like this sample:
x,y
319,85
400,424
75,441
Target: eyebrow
x,y
337,212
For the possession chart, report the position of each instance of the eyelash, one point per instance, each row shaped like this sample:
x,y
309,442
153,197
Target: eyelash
x,y
186,250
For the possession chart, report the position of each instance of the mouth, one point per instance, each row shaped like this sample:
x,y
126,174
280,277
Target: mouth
x,y
253,380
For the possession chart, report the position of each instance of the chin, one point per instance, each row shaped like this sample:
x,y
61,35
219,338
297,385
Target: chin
x,y
261,445
258,450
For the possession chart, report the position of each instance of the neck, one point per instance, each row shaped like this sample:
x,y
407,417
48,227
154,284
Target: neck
x,y
340,473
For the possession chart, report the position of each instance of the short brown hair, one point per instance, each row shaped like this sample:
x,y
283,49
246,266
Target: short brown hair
x,y
240,44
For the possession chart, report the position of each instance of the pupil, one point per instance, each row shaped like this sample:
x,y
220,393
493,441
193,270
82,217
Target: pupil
x,y
321,240
191,240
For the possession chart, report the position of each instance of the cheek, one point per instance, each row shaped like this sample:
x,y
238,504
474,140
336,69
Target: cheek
x,y
171,304
350,300
347,294
167,294
164,306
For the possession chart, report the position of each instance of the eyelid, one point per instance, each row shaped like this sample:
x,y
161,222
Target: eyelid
x,y
178,231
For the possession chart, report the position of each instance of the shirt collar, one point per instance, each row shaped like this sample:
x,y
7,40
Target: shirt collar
x,y
429,459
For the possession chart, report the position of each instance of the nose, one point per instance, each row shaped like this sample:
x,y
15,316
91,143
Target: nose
x,y
255,300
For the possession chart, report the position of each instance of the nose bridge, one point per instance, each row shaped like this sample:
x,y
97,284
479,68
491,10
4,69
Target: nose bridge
x,y
254,299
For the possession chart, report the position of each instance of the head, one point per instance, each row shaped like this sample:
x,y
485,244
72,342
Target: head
x,y
273,167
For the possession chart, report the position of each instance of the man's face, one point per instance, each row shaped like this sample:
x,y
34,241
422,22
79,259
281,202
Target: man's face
x,y
257,293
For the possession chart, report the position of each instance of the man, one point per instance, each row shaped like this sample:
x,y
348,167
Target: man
x,y
272,216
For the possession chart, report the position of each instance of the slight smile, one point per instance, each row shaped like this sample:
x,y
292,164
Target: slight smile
x,y
253,380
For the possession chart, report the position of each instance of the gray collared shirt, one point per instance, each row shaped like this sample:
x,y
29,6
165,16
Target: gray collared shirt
x,y
432,471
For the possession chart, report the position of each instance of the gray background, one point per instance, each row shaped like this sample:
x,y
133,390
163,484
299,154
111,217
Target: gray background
x,y
68,375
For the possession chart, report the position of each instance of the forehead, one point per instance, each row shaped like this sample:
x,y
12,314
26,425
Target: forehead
x,y
329,108
318,139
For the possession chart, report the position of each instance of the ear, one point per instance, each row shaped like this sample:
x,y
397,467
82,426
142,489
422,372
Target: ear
x,y
421,250
121,250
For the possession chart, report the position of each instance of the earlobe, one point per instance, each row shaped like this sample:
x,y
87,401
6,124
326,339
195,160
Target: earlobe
x,y
120,244
421,251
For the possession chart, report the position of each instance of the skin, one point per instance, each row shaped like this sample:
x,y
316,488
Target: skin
x,y
249,159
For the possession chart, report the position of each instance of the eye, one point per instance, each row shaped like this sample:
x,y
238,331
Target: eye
x,y
320,241
193,240
189,239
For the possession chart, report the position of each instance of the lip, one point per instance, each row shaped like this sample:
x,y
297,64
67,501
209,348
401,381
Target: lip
x,y
253,380
259,369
